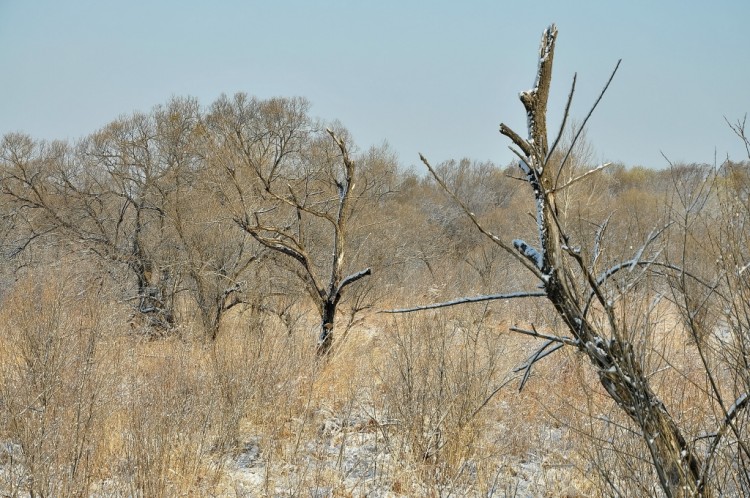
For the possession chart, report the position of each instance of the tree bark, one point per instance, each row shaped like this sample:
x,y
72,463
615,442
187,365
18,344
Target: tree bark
x,y
325,340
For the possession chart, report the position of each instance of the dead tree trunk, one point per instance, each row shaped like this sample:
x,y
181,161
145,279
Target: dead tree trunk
x,y
555,264
155,301
620,372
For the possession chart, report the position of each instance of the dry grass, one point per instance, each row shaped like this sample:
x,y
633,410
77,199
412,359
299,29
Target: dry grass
x,y
405,407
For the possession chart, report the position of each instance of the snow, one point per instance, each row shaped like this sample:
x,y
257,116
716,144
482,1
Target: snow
x,y
743,269
737,404
529,252
366,456
524,167
595,349
540,220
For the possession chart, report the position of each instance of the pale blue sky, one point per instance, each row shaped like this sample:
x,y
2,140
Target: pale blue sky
x,y
435,77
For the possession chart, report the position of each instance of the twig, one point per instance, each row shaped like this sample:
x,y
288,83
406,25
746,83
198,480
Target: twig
x,y
581,177
566,114
591,111
540,354
738,405
553,338
494,238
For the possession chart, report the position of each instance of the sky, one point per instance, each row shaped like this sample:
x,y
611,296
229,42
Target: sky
x,y
435,77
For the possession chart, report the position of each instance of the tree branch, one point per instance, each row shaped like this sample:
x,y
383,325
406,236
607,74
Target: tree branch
x,y
494,238
581,177
569,341
464,300
738,405
560,132
588,116
541,353
353,278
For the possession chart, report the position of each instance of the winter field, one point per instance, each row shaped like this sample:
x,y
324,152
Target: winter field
x,y
235,300
417,406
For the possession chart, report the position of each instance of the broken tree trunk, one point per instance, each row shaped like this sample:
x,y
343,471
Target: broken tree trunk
x,y
620,373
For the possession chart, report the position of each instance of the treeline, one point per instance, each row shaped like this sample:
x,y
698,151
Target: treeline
x,y
185,213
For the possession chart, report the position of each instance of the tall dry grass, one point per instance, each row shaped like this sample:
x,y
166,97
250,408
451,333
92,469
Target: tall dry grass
x,y
89,408
418,405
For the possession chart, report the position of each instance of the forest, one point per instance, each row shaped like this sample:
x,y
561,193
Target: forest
x,y
234,299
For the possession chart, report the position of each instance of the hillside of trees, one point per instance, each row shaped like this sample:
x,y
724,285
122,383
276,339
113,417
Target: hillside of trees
x,y
234,299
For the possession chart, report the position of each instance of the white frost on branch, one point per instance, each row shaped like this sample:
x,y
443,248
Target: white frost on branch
x,y
596,351
530,253
631,263
737,405
353,278
540,222
743,269
584,175
524,167
530,118
476,299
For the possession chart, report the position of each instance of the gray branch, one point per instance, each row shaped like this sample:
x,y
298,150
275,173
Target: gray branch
x,y
738,405
353,278
552,338
464,300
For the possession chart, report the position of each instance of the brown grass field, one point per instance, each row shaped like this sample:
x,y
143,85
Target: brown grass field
x,y
405,406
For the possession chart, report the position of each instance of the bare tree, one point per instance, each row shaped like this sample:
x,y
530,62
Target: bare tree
x,y
293,185
105,197
582,294
216,259
133,177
